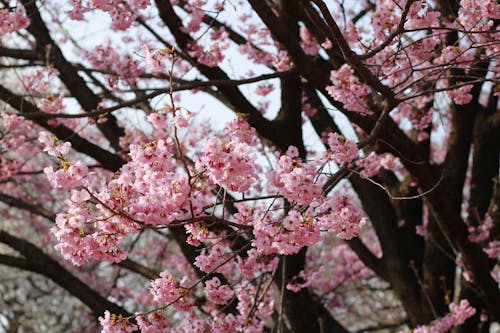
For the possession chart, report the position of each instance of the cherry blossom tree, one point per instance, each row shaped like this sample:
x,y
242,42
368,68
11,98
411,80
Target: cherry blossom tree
x,y
249,165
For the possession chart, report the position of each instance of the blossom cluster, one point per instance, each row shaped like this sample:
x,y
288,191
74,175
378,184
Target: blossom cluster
x,y
228,160
341,150
166,290
349,90
217,293
338,214
112,323
123,13
458,314
294,179
124,68
287,236
11,21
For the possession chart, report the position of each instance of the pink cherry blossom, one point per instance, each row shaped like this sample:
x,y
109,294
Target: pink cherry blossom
x,y
340,215
52,145
12,20
228,161
349,90
461,95
459,313
217,293
112,323
294,179
342,150
166,290
153,323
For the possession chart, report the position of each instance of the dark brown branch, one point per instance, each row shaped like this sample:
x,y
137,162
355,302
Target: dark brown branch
x,y
14,262
367,257
39,262
180,87
289,118
397,248
20,54
139,269
303,312
33,208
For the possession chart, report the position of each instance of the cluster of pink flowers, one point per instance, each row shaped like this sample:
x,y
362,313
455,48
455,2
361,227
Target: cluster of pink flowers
x,y
349,90
457,56
307,107
150,174
422,15
51,103
93,229
309,44
247,294
259,56
122,13
68,175
80,236
157,60
282,61
459,313
256,263
196,13
294,179
415,111
461,95
287,236
39,84
371,165
210,261
107,58
198,232
217,293
477,15
384,18
228,160
166,290
220,323
493,249
165,123
9,167
52,145
112,323
255,37
345,265
16,135
12,20
211,57
264,89
350,33
338,214
154,322
341,150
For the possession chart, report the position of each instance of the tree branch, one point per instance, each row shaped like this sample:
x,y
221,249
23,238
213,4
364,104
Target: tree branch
x,y
39,262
